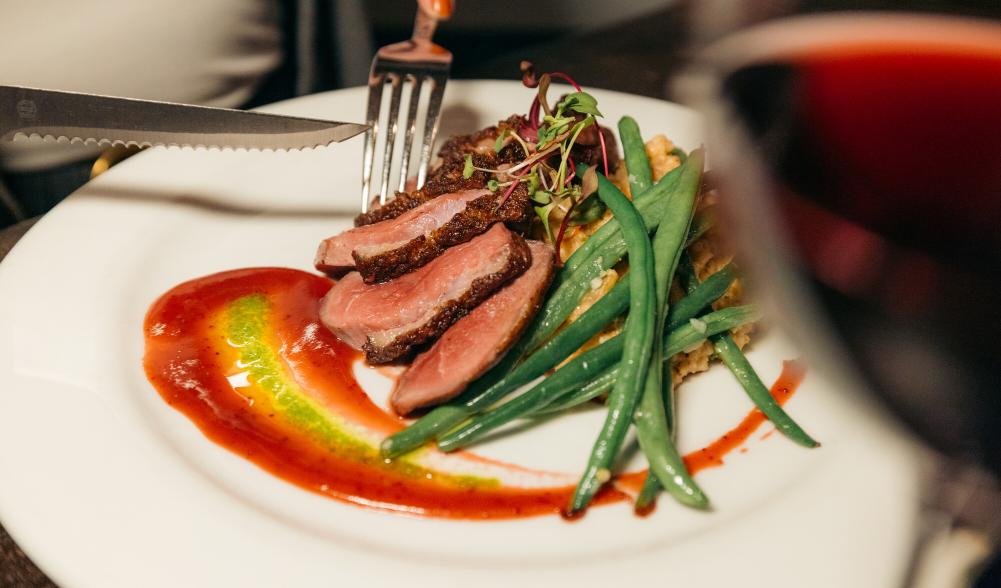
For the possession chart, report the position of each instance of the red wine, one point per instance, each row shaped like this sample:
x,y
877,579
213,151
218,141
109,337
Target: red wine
x,y
885,160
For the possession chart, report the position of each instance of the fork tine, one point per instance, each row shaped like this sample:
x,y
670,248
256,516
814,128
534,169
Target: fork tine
x,y
391,124
375,85
431,126
408,141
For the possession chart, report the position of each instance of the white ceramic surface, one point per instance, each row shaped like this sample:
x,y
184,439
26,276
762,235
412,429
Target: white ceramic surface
x,y
104,485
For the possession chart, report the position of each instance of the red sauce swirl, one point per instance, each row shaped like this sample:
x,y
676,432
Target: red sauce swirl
x,y
191,359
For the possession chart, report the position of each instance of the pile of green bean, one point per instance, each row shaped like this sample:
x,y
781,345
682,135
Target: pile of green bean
x,y
632,368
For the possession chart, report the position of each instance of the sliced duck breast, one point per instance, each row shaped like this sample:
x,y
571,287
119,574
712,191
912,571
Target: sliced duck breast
x,y
389,320
450,174
391,248
385,261
477,341
334,255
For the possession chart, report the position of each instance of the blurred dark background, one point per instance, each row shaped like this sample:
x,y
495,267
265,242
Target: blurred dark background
x,y
633,47
487,39
323,45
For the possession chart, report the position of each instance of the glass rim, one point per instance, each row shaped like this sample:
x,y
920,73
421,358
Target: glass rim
x,y
868,31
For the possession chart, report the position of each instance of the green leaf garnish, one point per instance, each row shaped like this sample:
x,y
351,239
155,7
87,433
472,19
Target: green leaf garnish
x,y
467,170
546,134
533,182
542,197
499,143
543,214
581,102
492,185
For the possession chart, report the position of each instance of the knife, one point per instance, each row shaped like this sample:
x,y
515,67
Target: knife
x,y
92,119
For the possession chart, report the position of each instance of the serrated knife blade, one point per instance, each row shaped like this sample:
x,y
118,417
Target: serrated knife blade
x,y
94,119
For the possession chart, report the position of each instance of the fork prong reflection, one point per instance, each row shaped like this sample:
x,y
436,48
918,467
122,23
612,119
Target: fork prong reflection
x,y
408,141
431,125
375,84
391,125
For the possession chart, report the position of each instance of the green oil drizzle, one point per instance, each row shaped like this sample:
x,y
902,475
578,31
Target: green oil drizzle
x,y
247,330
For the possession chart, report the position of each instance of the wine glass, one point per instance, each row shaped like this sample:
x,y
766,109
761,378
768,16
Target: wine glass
x,y
859,153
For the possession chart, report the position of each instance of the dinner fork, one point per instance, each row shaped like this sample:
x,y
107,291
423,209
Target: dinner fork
x,y
416,61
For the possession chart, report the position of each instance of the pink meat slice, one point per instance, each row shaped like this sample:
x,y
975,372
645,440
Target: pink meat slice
x,y
389,319
334,254
476,342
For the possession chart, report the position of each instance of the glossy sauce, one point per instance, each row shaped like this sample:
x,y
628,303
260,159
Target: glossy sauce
x,y
243,355
711,455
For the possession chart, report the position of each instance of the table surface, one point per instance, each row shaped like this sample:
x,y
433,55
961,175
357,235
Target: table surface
x,y
638,57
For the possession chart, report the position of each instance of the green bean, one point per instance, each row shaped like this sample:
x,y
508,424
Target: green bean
x,y
559,304
607,308
508,374
637,344
443,418
648,492
680,313
679,339
597,386
605,248
560,347
568,340
702,296
687,336
703,221
566,379
550,395
734,359
637,162
440,419
602,250
582,369
654,416
648,203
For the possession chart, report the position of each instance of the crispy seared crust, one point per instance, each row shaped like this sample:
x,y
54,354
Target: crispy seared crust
x,y
456,148
447,181
447,178
403,202
479,215
481,289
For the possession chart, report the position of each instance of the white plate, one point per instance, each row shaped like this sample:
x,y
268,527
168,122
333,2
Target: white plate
x,y
104,485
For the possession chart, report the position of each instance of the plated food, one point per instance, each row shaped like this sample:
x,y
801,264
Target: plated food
x,y
532,257
142,468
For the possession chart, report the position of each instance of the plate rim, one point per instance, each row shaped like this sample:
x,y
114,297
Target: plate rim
x,y
32,546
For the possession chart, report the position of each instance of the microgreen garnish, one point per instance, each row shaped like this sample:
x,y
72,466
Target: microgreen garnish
x,y
547,140
581,102
499,143
467,169
543,214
